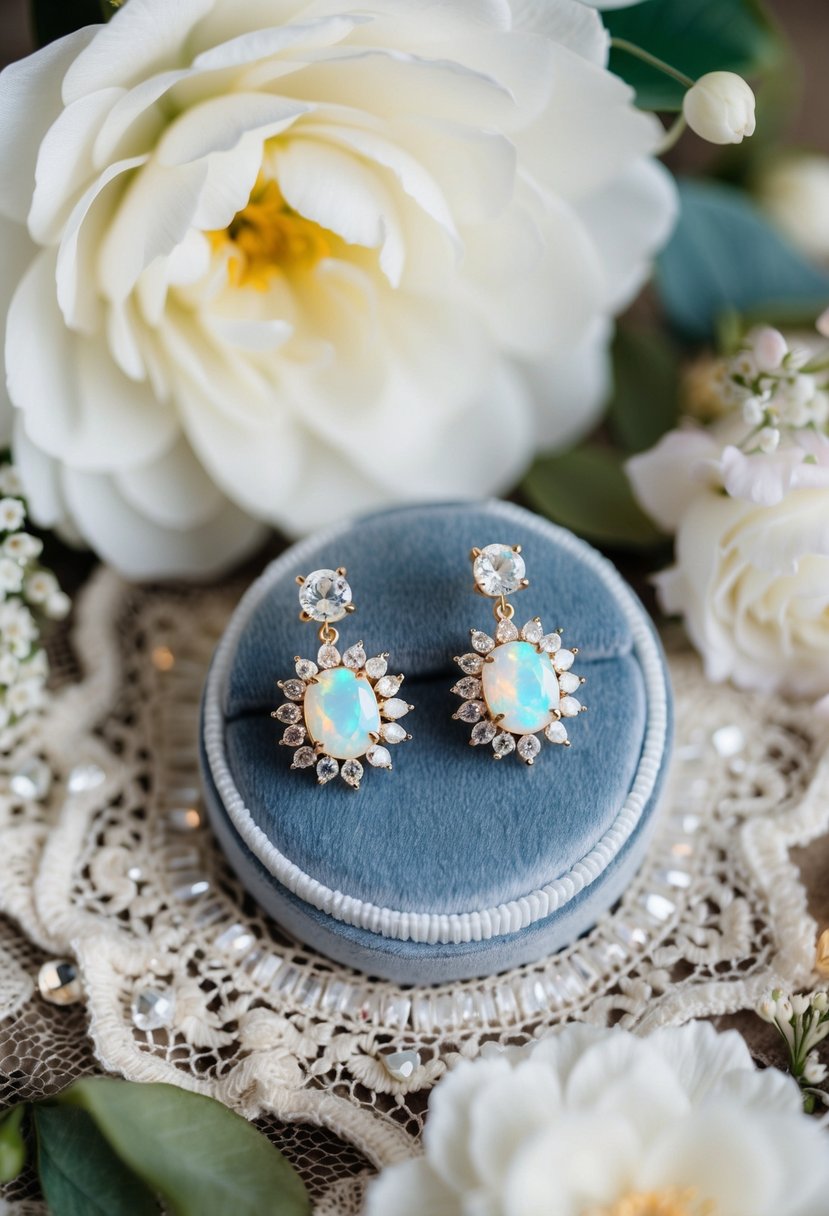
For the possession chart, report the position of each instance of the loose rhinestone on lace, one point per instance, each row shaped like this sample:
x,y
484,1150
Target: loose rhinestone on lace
x,y
32,781
152,1009
59,983
401,1065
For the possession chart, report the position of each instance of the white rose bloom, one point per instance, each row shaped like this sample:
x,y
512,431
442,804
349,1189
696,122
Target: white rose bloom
x,y
751,573
601,1123
285,260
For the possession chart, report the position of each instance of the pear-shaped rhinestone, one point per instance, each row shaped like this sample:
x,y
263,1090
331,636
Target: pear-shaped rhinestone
x,y
294,690
564,660
379,757
387,686
506,631
355,657
528,748
393,732
503,744
570,707
328,656
551,642
288,713
567,682
304,757
533,631
556,732
483,732
481,641
469,688
152,1009
395,708
470,664
376,667
294,735
471,711
305,669
352,773
327,769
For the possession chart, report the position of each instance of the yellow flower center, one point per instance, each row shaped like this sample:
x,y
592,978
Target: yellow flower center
x,y
671,1202
267,237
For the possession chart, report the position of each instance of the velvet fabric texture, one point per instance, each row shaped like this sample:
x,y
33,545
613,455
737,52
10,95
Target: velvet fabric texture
x,y
449,830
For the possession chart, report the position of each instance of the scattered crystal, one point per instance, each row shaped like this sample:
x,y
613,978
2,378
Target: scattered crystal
x,y
393,732
556,732
551,642
506,631
498,570
468,688
528,747
388,686
59,982
355,657
376,667
294,690
304,757
327,769
288,714
728,741
85,777
395,708
152,1009
400,1065
328,656
471,664
325,595
532,631
379,757
135,873
570,707
481,642
484,732
184,818
471,711
352,773
190,887
32,780
503,744
564,660
293,736
567,682
305,669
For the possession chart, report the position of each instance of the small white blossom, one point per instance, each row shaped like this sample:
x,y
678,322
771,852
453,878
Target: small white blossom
x,y
10,482
25,696
12,514
800,1004
40,586
22,546
753,411
814,1072
820,1002
720,108
58,606
9,669
770,348
11,574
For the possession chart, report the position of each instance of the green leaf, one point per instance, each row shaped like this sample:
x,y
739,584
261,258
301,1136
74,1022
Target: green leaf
x,y
203,1159
695,36
79,1173
587,490
12,1144
645,402
52,19
725,256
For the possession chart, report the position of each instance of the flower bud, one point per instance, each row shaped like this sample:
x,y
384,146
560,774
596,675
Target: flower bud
x,y
768,440
753,411
820,1002
800,1003
770,348
814,1072
720,108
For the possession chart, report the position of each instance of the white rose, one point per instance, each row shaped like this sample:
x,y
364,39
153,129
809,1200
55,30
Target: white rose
x,y
794,192
751,573
601,1123
284,261
720,108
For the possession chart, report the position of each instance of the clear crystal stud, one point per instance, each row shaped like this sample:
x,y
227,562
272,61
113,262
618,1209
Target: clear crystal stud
x,y
352,773
32,780
567,682
533,631
470,664
355,657
499,570
305,669
327,769
502,745
324,596
328,656
564,660
288,714
152,1009
401,1065
304,757
556,732
388,686
506,632
379,757
551,642
481,642
85,777
294,735
468,688
393,732
483,732
59,983
377,667
570,707
395,708
471,711
528,748
294,690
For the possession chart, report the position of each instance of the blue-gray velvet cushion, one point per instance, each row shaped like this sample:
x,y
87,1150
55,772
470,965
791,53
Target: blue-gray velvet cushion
x,y
449,830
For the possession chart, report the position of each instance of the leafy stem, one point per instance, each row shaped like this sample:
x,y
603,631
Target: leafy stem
x,y
630,48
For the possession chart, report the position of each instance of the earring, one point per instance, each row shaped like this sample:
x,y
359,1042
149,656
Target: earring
x,y
515,684
343,706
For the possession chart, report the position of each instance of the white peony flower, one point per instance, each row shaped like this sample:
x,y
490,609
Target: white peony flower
x,y
719,107
601,1123
285,260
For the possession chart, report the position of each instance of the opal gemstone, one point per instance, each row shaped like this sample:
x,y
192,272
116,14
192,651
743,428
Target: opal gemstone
x,y
341,713
521,684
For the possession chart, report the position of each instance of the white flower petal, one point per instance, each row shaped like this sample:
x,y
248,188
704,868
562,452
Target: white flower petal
x,y
16,253
173,491
449,1126
663,478
40,476
220,123
702,1058
411,1188
565,21
273,39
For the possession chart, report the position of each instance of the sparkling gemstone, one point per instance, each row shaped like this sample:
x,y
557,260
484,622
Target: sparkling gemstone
x,y
152,1009
85,777
32,780
305,669
400,1065
564,660
355,657
551,642
328,655
304,757
294,690
567,682
471,711
393,732
556,732
471,664
341,713
468,688
294,735
498,570
506,631
379,757
327,769
484,732
325,596
377,667
520,684
288,713
728,741
395,708
569,707
59,983
528,748
532,631
352,773
503,744
190,886
388,686
481,642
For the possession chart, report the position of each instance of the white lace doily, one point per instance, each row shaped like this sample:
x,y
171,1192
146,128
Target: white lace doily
x,y
112,866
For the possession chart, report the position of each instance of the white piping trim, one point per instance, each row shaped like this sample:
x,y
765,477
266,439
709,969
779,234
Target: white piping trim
x,y
433,927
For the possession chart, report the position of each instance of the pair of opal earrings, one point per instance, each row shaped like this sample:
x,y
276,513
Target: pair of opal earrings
x,y
344,708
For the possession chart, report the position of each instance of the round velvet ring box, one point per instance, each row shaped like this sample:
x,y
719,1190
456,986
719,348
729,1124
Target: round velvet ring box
x,y
451,866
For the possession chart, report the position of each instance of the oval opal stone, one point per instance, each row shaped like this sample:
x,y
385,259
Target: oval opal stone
x,y
341,713
521,684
